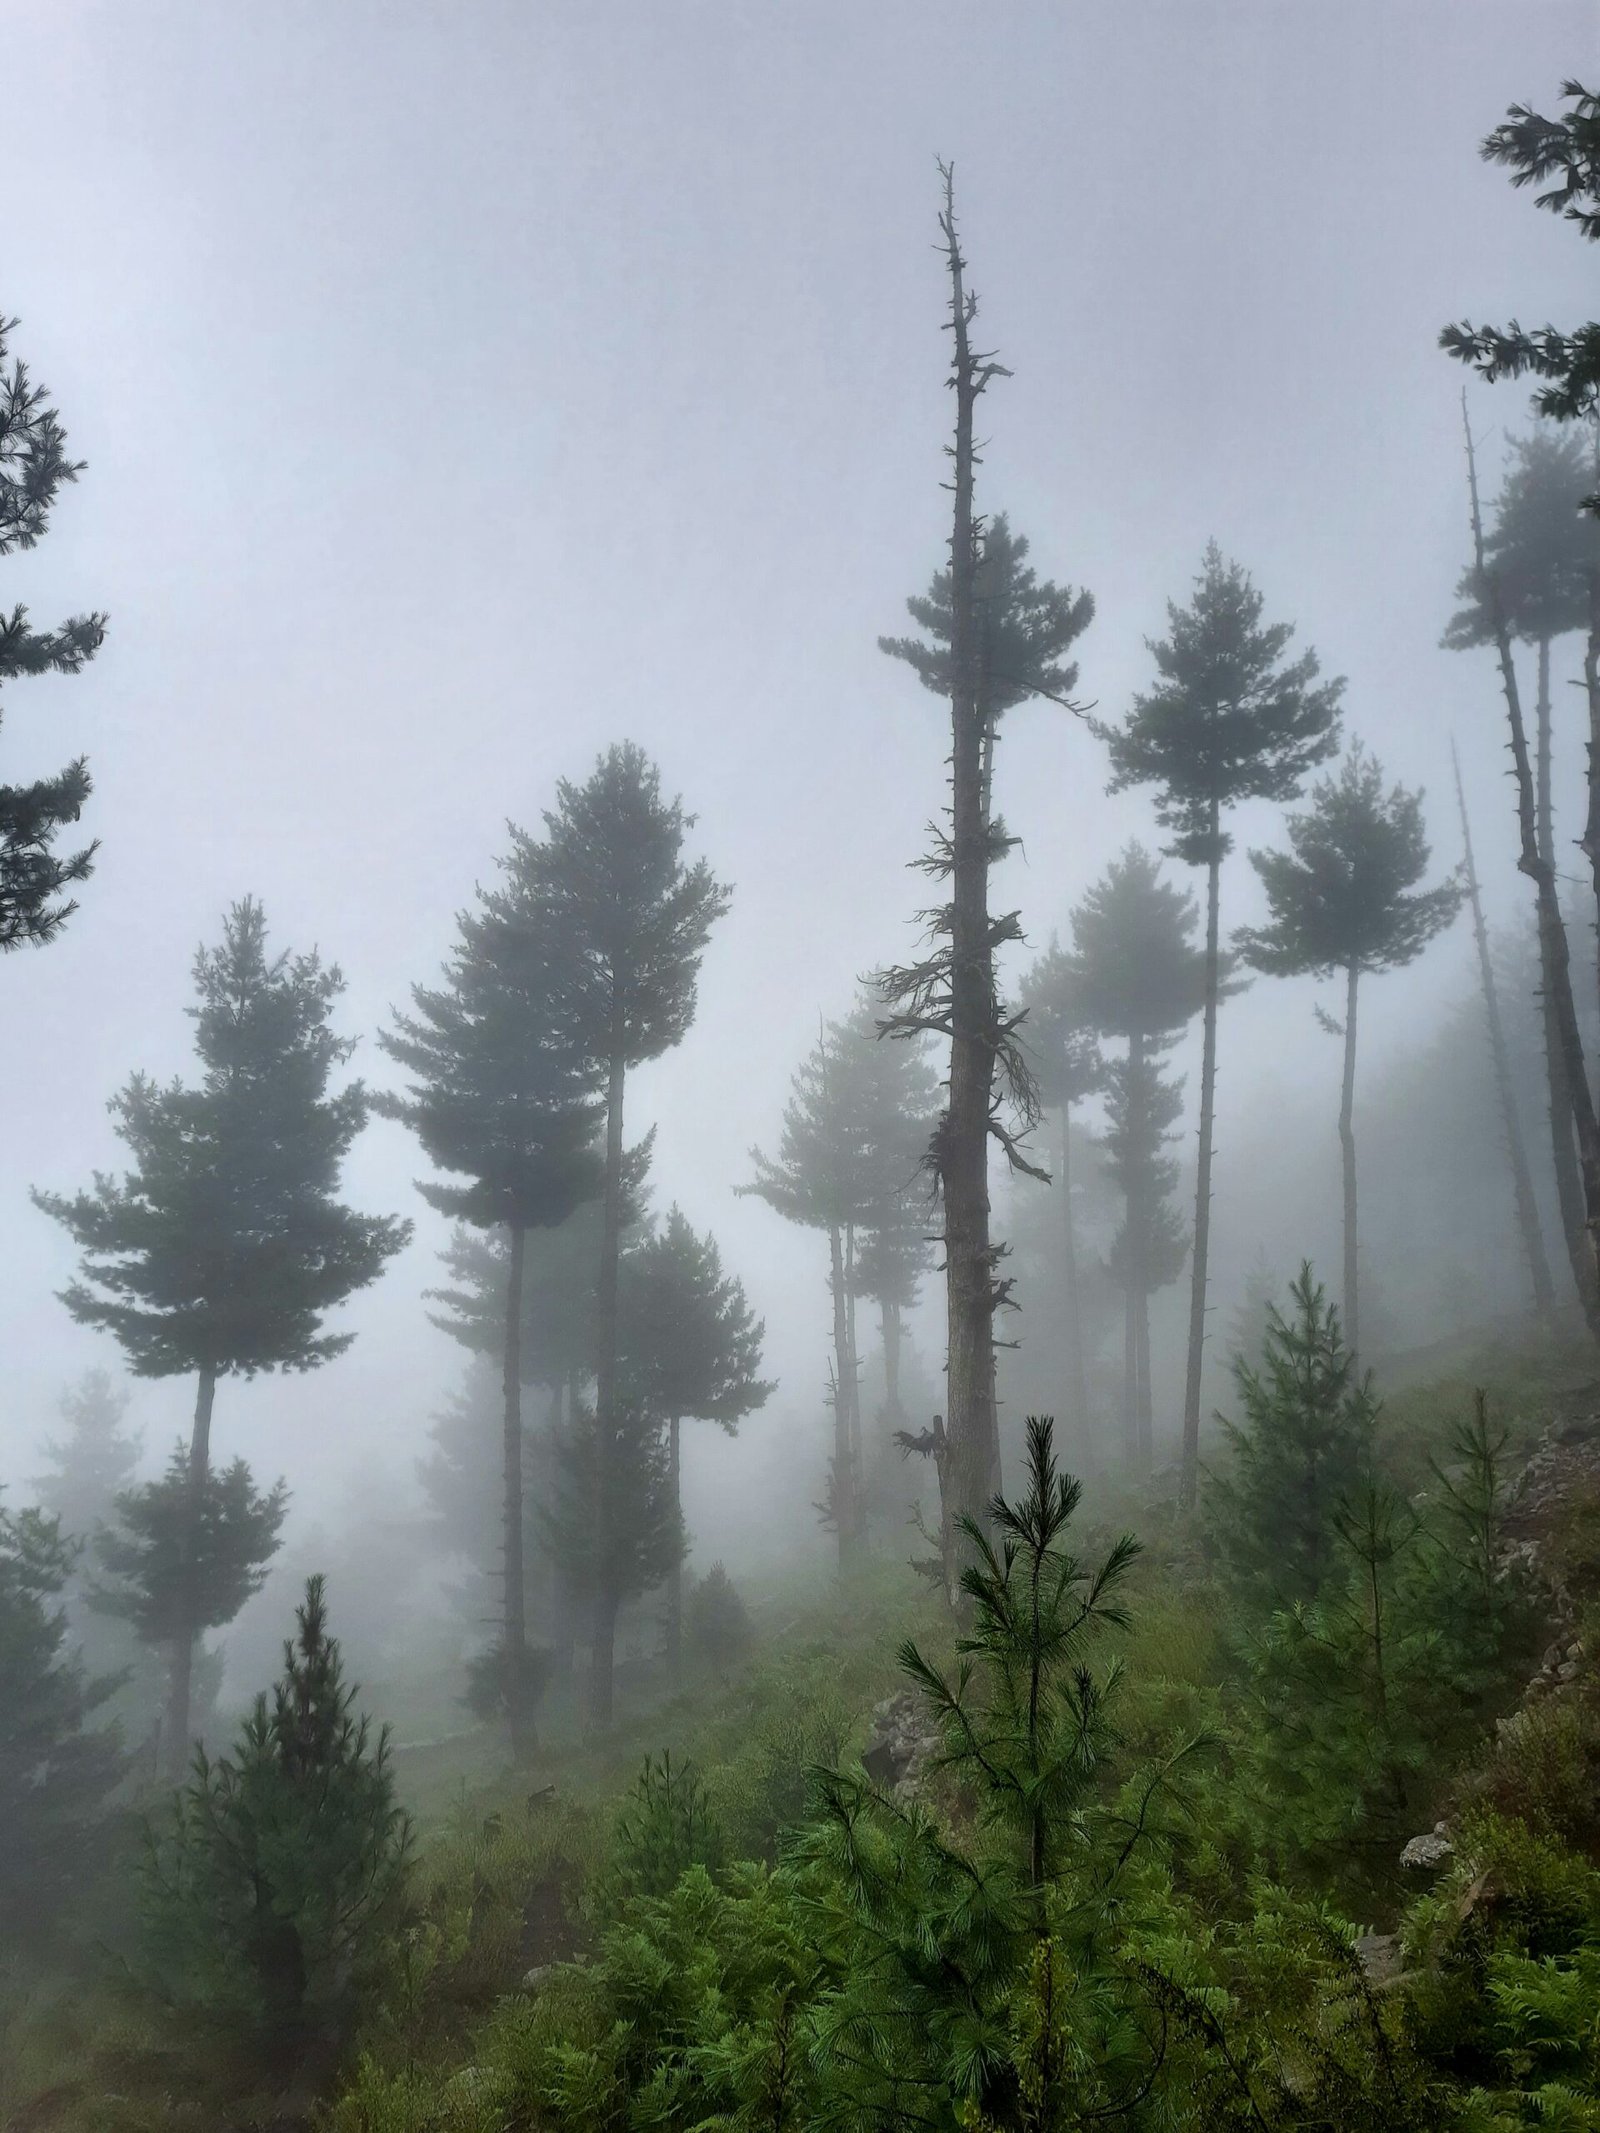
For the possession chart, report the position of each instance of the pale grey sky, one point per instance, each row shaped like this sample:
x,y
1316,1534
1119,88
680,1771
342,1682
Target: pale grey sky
x,y
468,385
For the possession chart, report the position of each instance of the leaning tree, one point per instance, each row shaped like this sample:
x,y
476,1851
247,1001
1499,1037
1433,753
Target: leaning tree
x,y
505,1096
1541,551
1134,974
689,1350
993,636
1344,900
33,467
223,1249
634,917
1230,718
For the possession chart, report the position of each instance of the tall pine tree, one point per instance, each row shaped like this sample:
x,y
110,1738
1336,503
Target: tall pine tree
x,y
505,1095
997,637
33,467
223,1249
1229,719
634,917
1344,899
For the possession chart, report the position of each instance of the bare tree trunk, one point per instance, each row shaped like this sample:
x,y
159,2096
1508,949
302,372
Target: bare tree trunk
x,y
844,1476
1130,1372
1142,1367
889,1320
1077,1386
1190,1480
1134,1217
1528,1225
675,1574
858,1464
514,1634
1347,1151
1555,968
181,1679
974,1447
1563,1154
607,1599
1590,842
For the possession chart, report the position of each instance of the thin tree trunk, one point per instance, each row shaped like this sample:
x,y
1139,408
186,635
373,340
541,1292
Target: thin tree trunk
x,y
1130,1371
1563,1153
1555,967
181,1680
858,1466
1590,843
889,1319
1528,1225
1347,1151
844,1479
1077,1387
1142,1365
607,1596
1202,1197
974,1448
675,1574
514,1634
1133,1221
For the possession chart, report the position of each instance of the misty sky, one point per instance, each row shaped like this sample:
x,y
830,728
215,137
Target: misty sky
x,y
467,386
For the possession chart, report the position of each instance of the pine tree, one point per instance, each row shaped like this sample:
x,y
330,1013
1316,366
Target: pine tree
x,y
1344,899
635,917
223,1249
819,1180
57,1767
719,1627
274,1890
33,467
1302,1449
1134,974
998,637
1068,1068
1540,553
94,1462
504,1094
1228,720
689,1350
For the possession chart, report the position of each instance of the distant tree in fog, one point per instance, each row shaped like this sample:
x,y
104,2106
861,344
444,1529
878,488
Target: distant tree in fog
x,y
992,637
58,1766
689,1349
1229,719
1069,1068
1541,554
1344,899
33,467
1135,974
505,1095
634,917
94,1461
223,1249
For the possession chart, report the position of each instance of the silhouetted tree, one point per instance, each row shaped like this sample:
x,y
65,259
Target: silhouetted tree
x,y
33,467
998,636
57,1768
1528,1224
818,1180
614,885
221,1252
94,1462
1344,898
505,1095
1068,1068
689,1350
1134,973
1540,551
1228,720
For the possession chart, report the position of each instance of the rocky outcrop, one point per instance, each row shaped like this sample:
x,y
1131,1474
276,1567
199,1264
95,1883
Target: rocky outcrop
x,y
903,1743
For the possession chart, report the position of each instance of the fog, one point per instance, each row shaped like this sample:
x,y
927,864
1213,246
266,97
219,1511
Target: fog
x,y
465,388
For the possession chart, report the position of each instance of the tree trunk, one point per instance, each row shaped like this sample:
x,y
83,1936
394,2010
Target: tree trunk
x,y
844,1475
1347,1151
1528,1224
1133,1219
1590,842
1563,1154
974,1445
1202,1198
514,1633
181,1679
1142,1370
1077,1387
608,1569
889,1320
675,1574
1555,969
858,1464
